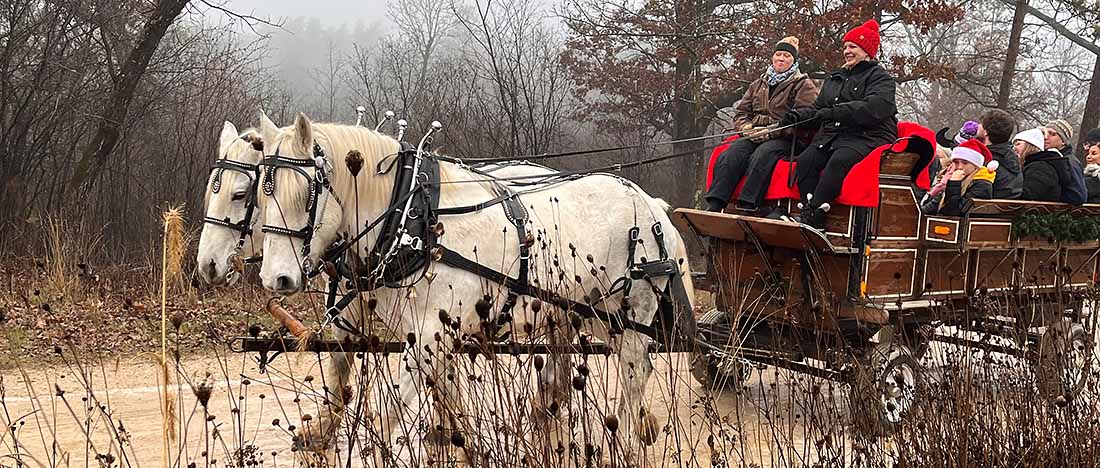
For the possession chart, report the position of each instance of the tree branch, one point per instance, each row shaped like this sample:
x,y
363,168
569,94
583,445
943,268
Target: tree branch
x,y
1059,27
250,20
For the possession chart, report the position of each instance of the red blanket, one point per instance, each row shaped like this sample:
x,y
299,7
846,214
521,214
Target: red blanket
x,y
861,185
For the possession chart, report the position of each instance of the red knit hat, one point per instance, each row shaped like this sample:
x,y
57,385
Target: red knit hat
x,y
866,37
974,152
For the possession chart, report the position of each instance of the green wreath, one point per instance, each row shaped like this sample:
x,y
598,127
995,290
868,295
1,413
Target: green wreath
x,y
1060,227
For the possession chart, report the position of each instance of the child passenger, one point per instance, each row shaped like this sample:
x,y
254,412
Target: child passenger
x,y
968,176
1092,173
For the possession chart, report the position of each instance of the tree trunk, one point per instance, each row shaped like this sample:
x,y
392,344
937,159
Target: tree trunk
x,y
685,108
125,86
1091,118
1009,71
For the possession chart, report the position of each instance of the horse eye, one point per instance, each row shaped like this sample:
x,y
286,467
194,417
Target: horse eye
x,y
239,196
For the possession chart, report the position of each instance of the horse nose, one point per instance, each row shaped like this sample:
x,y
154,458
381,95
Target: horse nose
x,y
285,284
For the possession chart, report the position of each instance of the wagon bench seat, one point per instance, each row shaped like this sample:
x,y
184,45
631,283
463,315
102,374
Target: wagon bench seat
x,y
740,228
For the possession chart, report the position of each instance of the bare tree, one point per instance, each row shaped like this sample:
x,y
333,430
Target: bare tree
x,y
328,79
515,59
59,62
125,83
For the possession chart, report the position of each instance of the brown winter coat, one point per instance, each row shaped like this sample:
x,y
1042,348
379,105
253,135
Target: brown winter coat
x,y
762,107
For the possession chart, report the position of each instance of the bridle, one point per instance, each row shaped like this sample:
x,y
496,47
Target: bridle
x,y
252,171
320,182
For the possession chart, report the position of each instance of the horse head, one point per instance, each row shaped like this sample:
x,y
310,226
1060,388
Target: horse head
x,y
302,213
230,231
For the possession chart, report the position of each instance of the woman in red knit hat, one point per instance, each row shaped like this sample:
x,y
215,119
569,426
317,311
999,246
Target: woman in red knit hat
x,y
856,113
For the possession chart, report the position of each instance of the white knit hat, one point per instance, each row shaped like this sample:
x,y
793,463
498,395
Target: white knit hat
x,y
1034,136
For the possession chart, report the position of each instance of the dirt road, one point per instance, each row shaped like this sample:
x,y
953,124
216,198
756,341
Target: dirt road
x,y
777,418
694,429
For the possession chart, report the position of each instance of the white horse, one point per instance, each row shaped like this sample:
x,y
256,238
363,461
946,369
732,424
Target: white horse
x,y
230,192
576,227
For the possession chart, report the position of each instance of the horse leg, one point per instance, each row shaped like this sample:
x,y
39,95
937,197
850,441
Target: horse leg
x,y
411,419
552,400
321,435
637,426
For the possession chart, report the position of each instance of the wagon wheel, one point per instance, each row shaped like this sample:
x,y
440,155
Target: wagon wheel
x,y
722,370
1064,361
885,388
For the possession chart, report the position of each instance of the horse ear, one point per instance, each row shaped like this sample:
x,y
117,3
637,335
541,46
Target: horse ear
x,y
265,120
229,133
268,130
303,128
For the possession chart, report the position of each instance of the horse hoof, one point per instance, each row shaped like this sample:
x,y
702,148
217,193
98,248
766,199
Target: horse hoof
x,y
648,429
312,459
313,438
437,437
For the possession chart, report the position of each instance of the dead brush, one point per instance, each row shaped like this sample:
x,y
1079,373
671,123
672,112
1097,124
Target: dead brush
x,y
68,246
988,409
980,409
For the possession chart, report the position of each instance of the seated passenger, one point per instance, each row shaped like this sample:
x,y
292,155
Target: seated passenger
x,y
1091,138
782,88
1048,176
995,129
969,176
856,113
1058,136
942,157
1092,173
968,130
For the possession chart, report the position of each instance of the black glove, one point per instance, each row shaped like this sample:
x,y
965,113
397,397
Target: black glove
x,y
790,118
825,113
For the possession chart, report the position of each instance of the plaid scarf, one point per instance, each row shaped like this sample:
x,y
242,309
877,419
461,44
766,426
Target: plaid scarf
x,y
773,78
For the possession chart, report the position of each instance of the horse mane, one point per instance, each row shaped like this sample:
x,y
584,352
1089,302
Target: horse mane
x,y
337,140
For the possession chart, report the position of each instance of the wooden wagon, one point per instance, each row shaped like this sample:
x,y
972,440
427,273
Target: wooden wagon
x,y
870,292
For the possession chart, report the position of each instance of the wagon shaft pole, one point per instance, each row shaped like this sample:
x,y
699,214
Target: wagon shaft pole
x,y
289,344
284,318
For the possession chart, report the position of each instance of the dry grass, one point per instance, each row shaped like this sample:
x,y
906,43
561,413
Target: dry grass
x,y
69,246
977,408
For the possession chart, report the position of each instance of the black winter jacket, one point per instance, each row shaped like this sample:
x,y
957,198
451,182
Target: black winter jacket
x,y
1092,182
1067,151
1009,183
955,202
855,109
958,203
1041,176
1093,186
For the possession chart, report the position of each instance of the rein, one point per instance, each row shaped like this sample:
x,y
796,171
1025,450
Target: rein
x,y
564,154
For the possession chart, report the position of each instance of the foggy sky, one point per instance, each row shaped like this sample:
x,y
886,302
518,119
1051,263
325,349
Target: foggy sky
x,y
330,12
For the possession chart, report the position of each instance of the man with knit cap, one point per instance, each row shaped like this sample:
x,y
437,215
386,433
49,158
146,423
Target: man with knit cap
x,y
855,113
1048,175
1059,136
754,154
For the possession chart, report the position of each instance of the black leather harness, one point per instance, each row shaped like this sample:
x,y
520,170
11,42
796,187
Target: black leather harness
x,y
252,171
406,246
